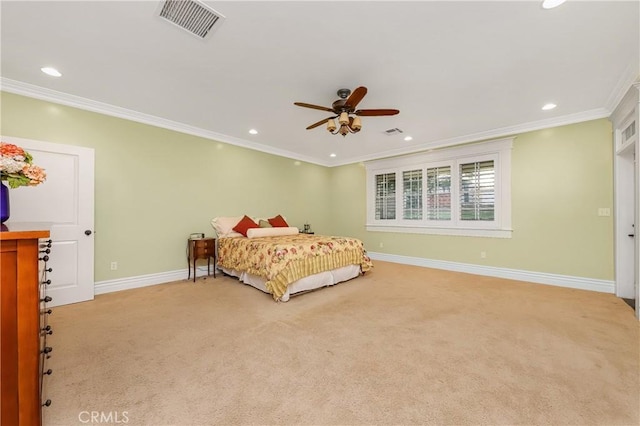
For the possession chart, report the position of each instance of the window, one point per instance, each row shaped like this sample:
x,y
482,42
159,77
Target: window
x,y
439,193
386,196
456,191
412,194
477,191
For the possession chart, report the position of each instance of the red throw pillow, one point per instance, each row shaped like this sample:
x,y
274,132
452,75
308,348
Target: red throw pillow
x,y
278,222
244,225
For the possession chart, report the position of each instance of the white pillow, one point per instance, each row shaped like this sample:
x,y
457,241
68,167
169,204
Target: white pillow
x,y
224,226
266,219
271,232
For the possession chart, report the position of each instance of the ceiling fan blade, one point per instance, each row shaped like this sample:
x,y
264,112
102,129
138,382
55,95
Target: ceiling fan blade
x,y
374,112
355,97
321,122
321,108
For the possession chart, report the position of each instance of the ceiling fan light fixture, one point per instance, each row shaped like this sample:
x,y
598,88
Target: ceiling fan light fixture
x,y
345,111
357,124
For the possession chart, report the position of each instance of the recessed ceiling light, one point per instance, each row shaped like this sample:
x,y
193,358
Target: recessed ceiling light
x,y
548,106
332,155
550,4
51,71
253,131
408,138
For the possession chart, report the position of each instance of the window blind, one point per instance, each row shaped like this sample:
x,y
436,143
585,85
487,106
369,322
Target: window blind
x,y
412,194
477,191
439,193
629,131
386,196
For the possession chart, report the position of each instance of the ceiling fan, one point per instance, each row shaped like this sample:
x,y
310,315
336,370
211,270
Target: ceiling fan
x,y
345,110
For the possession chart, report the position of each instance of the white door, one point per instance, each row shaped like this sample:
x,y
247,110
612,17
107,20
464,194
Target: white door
x,y
66,201
626,280
633,233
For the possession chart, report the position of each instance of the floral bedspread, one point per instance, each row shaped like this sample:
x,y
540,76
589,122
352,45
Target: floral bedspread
x,y
282,260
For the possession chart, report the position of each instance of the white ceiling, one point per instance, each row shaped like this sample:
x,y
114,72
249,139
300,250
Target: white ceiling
x,y
457,71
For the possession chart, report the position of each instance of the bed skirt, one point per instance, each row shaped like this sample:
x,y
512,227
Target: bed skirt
x,y
311,282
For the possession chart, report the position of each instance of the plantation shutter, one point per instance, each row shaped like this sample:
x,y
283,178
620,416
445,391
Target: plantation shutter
x,y
412,195
439,193
477,191
386,196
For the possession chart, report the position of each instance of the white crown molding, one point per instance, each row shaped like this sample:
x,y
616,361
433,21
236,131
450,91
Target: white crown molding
x,y
603,286
625,106
564,120
37,92
628,79
30,90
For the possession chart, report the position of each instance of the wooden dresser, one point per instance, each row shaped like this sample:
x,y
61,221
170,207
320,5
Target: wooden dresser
x,y
21,355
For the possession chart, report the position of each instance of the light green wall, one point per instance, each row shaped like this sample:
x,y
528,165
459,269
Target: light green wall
x,y
560,177
153,187
156,186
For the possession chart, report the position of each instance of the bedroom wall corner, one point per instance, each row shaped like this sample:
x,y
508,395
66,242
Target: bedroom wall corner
x,y
154,186
561,177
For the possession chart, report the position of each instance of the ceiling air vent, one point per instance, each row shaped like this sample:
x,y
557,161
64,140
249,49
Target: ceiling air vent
x,y
192,16
394,131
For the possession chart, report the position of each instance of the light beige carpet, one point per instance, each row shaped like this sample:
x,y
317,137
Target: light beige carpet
x,y
401,345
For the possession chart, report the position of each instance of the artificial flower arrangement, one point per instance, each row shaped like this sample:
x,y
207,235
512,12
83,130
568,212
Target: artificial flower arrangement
x,y
17,168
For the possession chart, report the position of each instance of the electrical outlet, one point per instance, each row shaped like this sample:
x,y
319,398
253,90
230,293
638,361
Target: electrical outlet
x,y
483,254
381,245
114,266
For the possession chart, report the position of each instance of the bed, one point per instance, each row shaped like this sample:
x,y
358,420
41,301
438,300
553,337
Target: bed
x,y
283,262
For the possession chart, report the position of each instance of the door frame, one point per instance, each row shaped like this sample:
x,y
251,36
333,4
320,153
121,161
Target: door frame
x,y
627,200
64,232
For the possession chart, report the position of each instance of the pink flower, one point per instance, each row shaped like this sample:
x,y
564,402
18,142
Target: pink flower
x,y
17,168
11,150
35,174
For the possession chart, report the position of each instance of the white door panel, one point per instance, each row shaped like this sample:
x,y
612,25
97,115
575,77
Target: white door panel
x,y
66,201
57,197
625,200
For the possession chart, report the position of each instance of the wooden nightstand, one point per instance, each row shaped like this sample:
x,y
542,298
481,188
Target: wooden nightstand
x,y
203,248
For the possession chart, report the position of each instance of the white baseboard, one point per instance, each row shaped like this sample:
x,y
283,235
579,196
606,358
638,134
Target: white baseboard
x,y
128,283
581,283
603,286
